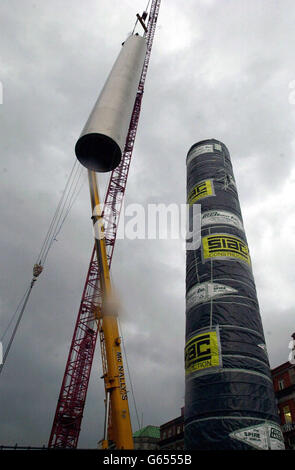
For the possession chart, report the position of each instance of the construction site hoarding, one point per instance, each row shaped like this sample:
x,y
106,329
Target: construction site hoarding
x,y
229,396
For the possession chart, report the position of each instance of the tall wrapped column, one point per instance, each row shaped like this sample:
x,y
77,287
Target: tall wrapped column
x,y
229,397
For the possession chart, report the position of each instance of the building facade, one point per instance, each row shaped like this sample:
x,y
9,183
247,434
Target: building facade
x,y
284,386
171,433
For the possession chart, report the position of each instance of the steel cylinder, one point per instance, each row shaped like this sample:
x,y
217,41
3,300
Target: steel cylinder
x,y
101,143
229,396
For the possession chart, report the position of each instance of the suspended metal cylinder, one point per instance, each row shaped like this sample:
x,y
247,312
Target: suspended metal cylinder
x,y
101,143
229,395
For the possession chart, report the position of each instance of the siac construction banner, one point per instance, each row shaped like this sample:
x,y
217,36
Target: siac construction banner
x,y
229,397
202,352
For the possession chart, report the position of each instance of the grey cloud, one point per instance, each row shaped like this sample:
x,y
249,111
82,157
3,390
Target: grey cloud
x,y
225,74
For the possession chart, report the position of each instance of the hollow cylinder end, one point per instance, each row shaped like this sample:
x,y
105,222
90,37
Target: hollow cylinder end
x,y
98,152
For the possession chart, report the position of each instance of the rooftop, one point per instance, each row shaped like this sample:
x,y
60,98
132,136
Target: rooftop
x,y
148,431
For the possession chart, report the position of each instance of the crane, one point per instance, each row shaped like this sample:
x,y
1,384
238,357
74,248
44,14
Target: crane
x,y
90,324
114,376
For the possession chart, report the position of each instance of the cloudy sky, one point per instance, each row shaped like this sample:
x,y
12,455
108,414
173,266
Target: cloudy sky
x,y
219,68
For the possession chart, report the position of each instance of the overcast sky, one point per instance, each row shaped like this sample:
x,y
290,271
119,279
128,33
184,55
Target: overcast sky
x,y
220,69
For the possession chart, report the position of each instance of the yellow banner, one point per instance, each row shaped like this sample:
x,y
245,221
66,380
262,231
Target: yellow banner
x,y
202,189
201,352
223,245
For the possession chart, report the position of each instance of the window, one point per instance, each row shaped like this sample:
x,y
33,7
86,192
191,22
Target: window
x,y
164,435
281,384
178,431
287,414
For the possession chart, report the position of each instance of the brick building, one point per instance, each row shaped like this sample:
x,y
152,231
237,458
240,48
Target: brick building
x,y
171,433
284,386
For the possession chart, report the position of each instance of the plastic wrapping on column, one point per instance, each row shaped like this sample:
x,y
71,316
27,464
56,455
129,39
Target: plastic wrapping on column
x,y
229,396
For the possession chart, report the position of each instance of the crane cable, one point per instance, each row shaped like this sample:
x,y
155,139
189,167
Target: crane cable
x,y
129,375
49,233
13,316
64,205
67,205
27,295
66,202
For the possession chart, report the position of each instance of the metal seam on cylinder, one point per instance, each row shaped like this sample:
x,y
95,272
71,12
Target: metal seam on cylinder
x,y
230,370
232,417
